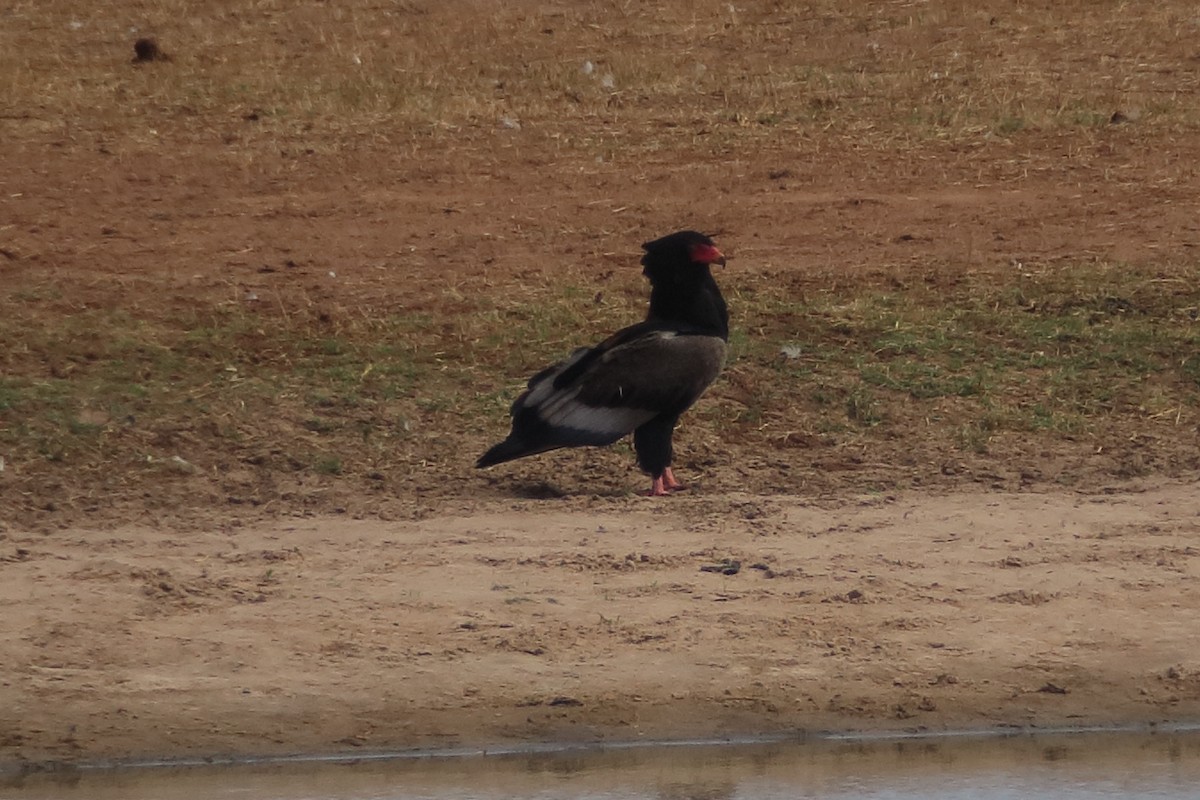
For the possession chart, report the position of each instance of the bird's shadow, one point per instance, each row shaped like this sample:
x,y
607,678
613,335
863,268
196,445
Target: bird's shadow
x,y
536,490
543,490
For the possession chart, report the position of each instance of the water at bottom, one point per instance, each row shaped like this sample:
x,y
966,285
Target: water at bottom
x,y
1069,766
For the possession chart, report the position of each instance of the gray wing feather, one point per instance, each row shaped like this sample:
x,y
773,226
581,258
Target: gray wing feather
x,y
628,385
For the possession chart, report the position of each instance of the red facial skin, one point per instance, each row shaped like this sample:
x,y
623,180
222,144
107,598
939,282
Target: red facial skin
x,y
707,254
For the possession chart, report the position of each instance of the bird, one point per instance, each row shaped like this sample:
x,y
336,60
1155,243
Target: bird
x,y
640,379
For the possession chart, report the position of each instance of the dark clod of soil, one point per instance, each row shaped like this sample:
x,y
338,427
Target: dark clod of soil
x,y
146,49
726,567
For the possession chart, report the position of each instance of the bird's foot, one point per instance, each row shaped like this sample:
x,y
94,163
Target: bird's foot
x,y
669,482
657,489
665,484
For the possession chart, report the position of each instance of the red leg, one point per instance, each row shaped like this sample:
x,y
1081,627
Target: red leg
x,y
657,489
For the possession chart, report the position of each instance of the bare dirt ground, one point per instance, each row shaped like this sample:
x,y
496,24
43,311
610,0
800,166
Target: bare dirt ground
x,y
310,581
581,620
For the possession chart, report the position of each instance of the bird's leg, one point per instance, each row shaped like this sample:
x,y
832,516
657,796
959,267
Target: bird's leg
x,y
652,443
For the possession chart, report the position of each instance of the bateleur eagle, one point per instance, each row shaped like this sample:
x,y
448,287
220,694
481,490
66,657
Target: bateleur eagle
x,y
640,379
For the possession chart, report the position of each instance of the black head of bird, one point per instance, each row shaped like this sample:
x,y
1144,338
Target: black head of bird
x,y
668,258
682,288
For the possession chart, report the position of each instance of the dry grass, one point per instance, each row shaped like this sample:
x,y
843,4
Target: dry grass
x,y
705,76
430,158
1094,353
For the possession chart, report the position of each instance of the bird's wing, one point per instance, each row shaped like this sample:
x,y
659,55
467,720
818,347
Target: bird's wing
x,y
602,393
599,394
661,371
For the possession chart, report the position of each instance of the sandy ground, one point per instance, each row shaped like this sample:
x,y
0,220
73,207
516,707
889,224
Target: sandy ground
x,y
601,619
234,610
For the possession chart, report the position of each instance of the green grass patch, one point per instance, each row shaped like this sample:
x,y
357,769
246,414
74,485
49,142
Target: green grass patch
x,y
1061,351
1069,351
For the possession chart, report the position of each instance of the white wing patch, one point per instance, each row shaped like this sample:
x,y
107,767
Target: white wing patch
x,y
567,412
683,356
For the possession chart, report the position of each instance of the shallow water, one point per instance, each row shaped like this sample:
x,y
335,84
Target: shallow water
x,y
1060,767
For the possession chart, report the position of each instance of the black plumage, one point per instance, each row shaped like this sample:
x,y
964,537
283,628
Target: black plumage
x,y
640,379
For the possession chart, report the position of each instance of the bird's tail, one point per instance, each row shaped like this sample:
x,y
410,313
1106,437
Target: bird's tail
x,y
507,450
